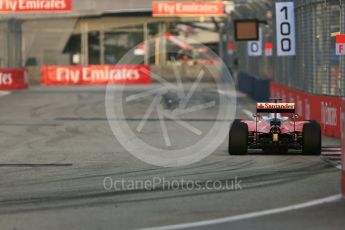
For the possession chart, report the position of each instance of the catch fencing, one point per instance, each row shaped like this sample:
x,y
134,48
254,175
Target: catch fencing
x,y
315,68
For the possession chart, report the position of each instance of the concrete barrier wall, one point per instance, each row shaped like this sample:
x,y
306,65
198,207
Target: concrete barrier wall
x,y
257,89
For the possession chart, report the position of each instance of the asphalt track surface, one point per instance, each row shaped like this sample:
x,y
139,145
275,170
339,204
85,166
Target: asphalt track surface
x,y
57,148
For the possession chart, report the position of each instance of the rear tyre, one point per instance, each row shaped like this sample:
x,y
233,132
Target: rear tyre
x,y
312,138
238,138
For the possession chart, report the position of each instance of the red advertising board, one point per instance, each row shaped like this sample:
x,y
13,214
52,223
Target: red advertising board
x,y
23,6
268,49
324,109
11,79
340,44
230,47
170,9
96,75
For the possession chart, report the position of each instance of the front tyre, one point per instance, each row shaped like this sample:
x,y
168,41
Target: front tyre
x,y
238,138
312,138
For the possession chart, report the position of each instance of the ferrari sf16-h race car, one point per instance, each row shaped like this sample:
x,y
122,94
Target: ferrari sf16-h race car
x,y
275,128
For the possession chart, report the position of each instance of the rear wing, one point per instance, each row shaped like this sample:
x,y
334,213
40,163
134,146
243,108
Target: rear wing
x,y
275,108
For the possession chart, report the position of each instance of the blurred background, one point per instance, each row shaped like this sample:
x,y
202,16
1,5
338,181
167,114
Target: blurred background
x,y
102,32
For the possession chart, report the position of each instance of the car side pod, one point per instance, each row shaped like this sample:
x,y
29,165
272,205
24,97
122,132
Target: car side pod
x,y
312,138
238,138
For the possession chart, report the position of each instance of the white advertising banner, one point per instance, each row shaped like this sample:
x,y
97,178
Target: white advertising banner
x,y
285,27
255,47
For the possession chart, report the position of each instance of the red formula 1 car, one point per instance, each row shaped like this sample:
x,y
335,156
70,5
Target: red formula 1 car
x,y
276,128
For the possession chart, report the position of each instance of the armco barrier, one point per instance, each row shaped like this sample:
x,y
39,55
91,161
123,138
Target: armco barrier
x,y
254,88
324,109
95,75
12,79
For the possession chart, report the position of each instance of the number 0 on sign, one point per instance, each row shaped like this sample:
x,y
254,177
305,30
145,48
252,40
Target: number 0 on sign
x,y
285,23
255,47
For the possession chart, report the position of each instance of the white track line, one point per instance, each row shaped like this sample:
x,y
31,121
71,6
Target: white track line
x,y
249,215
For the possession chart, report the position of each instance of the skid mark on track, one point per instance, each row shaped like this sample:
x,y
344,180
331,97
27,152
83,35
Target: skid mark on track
x,y
332,155
35,165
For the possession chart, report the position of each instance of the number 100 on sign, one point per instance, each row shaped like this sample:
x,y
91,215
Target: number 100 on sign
x,y
285,22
